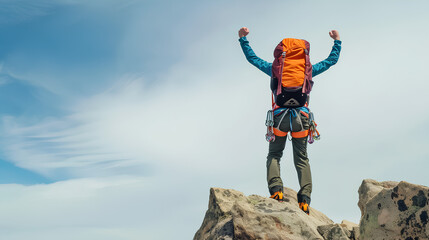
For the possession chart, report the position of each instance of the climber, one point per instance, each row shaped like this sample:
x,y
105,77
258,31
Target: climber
x,y
295,117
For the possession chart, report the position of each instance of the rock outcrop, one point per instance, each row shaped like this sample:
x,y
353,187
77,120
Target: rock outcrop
x,y
232,215
369,188
392,210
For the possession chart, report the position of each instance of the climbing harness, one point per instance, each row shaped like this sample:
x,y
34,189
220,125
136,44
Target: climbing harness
x,y
294,114
313,134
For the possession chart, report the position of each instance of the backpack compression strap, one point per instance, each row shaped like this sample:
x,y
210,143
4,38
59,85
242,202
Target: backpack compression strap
x,y
308,82
279,84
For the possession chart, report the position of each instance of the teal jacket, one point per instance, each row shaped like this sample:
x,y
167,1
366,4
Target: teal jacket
x,y
265,66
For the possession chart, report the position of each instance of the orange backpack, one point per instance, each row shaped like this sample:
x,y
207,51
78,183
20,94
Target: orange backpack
x,y
291,80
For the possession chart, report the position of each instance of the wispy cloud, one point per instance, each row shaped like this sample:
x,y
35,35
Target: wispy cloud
x,y
127,127
60,149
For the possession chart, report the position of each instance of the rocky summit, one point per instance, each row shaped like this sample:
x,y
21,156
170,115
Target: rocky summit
x,y
232,215
390,210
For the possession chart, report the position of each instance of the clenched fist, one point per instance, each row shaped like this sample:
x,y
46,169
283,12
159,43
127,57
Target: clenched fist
x,y
243,32
334,35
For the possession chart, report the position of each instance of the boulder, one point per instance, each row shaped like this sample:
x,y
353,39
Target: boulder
x,y
369,188
393,210
349,225
232,215
344,231
334,232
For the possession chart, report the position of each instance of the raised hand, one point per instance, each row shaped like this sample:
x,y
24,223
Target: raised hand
x,y
334,35
243,32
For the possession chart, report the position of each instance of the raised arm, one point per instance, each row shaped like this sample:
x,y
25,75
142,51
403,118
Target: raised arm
x,y
262,65
332,59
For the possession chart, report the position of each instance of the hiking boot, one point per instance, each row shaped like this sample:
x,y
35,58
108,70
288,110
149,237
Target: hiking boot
x,y
278,196
304,207
304,203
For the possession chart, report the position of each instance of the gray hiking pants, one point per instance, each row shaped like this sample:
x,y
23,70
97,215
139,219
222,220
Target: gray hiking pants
x,y
299,145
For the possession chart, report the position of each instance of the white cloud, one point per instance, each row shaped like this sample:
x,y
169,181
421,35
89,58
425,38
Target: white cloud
x,y
94,208
130,126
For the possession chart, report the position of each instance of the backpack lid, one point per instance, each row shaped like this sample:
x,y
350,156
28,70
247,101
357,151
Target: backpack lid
x,y
292,68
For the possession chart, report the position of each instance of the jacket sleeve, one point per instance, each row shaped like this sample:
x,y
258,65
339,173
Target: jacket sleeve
x,y
262,65
332,59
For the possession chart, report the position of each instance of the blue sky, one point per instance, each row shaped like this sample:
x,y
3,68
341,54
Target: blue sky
x,y
108,104
51,56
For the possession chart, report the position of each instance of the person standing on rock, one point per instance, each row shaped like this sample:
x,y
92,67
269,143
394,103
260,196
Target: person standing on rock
x,y
290,107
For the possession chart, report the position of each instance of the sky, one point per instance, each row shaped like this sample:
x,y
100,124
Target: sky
x,y
117,117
